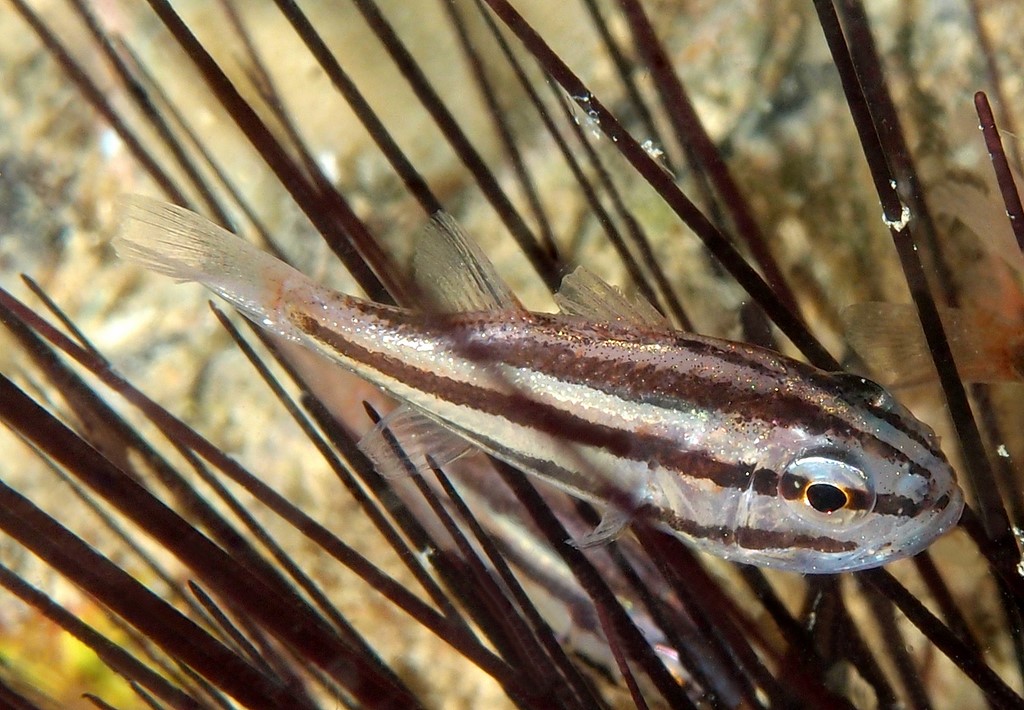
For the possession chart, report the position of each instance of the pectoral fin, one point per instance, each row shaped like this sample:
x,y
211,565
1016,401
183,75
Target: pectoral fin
x,y
613,523
417,436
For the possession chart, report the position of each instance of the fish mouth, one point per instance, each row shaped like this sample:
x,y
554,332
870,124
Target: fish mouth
x,y
943,515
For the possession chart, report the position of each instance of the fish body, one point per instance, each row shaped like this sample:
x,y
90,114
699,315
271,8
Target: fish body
x,y
743,452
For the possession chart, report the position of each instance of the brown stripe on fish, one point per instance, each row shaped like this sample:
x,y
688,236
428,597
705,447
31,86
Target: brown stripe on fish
x,y
634,380
766,482
893,504
524,411
751,538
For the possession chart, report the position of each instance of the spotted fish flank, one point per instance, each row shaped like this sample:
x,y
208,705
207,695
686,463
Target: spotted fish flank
x,y
739,450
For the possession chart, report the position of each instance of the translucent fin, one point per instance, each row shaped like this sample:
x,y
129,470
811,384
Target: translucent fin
x,y
173,241
889,338
613,523
984,214
454,274
418,438
993,291
585,294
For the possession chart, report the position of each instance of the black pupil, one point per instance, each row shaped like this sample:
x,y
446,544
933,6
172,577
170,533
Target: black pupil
x,y
825,498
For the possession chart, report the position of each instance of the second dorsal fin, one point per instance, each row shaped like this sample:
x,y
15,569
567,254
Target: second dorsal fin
x,y
453,273
583,293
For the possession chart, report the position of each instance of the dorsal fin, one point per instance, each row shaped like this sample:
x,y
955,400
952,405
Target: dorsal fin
x,y
585,294
453,273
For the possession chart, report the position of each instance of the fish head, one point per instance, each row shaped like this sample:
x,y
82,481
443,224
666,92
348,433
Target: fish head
x,y
873,488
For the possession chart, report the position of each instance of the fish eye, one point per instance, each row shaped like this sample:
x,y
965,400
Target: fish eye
x,y
827,490
826,498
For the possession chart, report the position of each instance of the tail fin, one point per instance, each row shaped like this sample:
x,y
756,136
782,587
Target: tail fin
x,y
173,241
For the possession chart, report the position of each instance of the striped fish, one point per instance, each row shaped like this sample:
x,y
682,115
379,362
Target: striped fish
x,y
740,451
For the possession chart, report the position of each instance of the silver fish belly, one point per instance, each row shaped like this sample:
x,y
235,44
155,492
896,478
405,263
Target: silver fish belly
x,y
745,453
